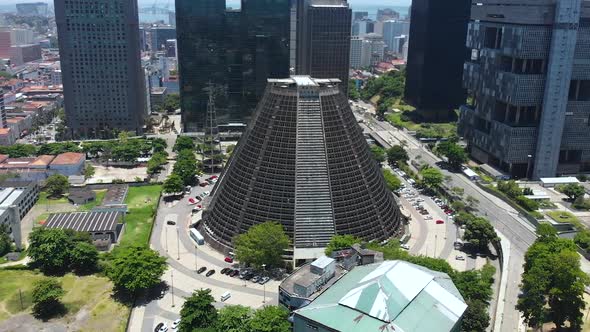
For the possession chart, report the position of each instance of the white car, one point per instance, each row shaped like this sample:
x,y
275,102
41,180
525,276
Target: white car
x,y
175,324
428,218
405,246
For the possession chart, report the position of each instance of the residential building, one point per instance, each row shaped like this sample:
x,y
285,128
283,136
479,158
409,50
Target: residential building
x,y
393,29
399,43
366,51
17,197
356,52
376,47
32,9
530,87
5,43
103,84
436,55
307,166
56,77
386,296
323,39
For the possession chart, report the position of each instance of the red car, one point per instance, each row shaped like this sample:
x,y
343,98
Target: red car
x,y
213,177
203,184
228,259
438,222
449,212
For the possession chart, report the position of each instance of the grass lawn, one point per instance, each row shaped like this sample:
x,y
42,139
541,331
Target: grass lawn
x,y
43,199
99,197
564,216
142,203
89,293
425,129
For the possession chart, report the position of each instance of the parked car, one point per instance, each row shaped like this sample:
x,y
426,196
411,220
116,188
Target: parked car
x,y
263,280
428,218
405,246
225,270
197,208
234,273
460,258
162,327
439,221
192,201
228,259
423,212
175,324
171,222
210,273
249,276
203,184
255,279
201,270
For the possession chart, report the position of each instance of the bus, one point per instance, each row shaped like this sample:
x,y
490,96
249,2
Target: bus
x,y
197,237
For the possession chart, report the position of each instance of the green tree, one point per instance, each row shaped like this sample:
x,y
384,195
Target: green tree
x,y
56,185
173,184
573,191
198,311
270,319
475,284
458,191
19,150
476,317
378,153
234,318
458,206
156,162
84,258
171,102
50,249
510,188
480,233
47,294
553,282
89,171
262,244
184,143
58,148
432,177
456,155
393,182
186,166
125,152
135,268
397,154
353,92
5,242
338,242
159,145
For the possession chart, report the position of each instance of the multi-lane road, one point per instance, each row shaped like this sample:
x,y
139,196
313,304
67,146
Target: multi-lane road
x,y
518,231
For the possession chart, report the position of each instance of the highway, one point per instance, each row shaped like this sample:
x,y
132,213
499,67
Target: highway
x,y
503,217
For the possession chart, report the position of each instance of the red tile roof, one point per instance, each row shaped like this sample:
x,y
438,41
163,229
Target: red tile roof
x,y
68,158
43,160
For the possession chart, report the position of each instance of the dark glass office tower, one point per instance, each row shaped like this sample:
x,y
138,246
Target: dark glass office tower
x,y
201,56
237,51
103,80
323,39
435,57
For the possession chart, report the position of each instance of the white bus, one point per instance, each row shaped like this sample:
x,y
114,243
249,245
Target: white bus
x,y
197,237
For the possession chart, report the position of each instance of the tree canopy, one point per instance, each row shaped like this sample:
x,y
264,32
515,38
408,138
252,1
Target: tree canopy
x,y
270,319
397,154
135,268
573,191
262,244
47,294
173,184
338,242
480,233
353,92
56,185
5,241
50,249
553,282
186,166
198,311
393,182
84,257
431,177
378,153
234,318
456,155
184,142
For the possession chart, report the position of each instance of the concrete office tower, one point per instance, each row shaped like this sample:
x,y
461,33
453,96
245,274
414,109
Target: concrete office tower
x,y
363,27
323,39
101,67
393,29
303,162
436,55
360,15
529,77
159,36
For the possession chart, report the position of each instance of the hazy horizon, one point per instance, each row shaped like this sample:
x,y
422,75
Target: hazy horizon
x,y
353,3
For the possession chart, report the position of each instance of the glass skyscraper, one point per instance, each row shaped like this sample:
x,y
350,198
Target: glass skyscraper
x,y
234,50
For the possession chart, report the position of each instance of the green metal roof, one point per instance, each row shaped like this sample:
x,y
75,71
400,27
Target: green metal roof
x,y
388,296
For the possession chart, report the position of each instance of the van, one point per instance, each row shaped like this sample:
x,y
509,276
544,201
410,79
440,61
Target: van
x,y
225,296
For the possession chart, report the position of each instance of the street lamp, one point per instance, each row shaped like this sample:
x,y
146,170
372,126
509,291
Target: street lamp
x,y
264,285
177,245
195,257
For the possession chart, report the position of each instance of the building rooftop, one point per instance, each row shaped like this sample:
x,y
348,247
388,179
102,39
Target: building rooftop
x,y
85,221
322,262
43,160
8,196
393,294
68,158
4,131
304,277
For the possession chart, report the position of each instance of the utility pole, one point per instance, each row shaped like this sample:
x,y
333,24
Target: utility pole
x,y
264,285
177,245
172,286
195,257
166,236
435,243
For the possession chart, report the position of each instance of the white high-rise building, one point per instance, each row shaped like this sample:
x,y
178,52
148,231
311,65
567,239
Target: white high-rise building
x,y
21,36
366,51
392,29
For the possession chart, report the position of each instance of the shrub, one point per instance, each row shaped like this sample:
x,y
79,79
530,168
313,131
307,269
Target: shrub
x,y
526,203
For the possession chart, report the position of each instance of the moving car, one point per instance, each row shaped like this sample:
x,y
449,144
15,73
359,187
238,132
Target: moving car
x,y
171,222
228,259
438,222
460,258
210,273
405,246
175,324
225,270
201,270
162,327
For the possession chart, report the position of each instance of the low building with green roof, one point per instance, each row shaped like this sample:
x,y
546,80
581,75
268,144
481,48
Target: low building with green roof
x,y
385,297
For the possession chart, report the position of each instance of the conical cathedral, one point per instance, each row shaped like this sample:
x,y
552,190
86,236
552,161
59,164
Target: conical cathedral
x,y
303,162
